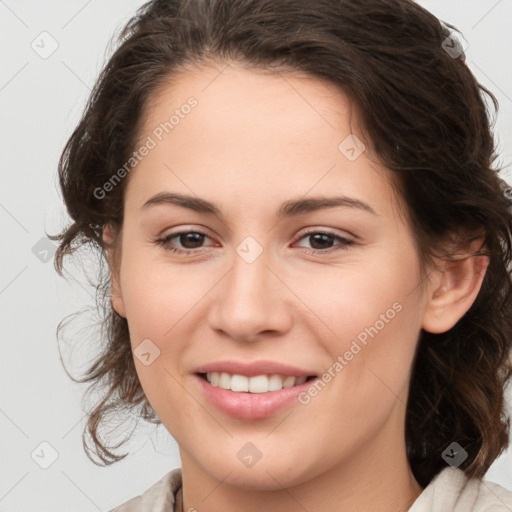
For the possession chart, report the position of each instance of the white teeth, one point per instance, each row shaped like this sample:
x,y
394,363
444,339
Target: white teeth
x,y
288,382
224,380
238,383
257,384
275,383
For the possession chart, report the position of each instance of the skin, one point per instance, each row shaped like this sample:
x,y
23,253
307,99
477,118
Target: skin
x,y
253,141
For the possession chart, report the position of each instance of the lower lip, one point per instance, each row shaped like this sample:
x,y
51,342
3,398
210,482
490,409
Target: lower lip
x,y
251,406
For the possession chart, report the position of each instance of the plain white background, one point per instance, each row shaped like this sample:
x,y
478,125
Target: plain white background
x,y
41,100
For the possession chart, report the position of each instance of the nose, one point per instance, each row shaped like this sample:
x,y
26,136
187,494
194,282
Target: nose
x,y
251,301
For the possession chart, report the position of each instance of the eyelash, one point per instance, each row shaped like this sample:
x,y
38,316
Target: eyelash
x,y
164,242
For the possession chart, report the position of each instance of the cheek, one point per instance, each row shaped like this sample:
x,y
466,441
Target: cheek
x,y
157,295
159,303
374,318
161,306
376,294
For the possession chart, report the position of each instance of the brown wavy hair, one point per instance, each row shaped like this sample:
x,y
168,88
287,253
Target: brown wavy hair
x,y
428,120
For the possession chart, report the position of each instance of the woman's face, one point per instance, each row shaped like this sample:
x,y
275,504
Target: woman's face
x,y
253,291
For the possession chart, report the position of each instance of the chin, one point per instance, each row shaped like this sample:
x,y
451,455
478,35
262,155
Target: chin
x,y
271,474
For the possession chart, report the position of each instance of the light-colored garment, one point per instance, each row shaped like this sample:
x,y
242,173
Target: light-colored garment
x,y
449,491
163,496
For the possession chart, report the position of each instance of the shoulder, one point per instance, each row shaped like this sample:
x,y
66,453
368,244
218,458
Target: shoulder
x,y
160,497
452,491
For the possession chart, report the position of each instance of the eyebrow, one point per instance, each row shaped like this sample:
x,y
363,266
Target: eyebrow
x,y
290,208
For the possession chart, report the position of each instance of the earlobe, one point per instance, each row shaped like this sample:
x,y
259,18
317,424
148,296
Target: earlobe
x,y
110,241
454,292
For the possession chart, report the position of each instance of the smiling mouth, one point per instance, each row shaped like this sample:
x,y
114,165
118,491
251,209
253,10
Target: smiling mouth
x,y
257,384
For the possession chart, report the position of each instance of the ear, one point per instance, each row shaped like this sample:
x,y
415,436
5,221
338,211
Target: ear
x,y
111,252
455,287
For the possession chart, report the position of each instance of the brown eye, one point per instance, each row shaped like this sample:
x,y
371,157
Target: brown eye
x,y
189,240
321,241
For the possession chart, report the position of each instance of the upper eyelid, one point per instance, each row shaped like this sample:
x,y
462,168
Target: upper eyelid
x,y
302,232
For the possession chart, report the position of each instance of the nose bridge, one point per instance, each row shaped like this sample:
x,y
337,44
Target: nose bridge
x,y
250,299
249,277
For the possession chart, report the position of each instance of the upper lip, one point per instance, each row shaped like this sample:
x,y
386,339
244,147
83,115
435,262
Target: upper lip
x,y
253,369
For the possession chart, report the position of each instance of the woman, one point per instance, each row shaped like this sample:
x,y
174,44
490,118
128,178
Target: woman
x,y
366,373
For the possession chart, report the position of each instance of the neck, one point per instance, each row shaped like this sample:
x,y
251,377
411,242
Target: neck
x,y
376,478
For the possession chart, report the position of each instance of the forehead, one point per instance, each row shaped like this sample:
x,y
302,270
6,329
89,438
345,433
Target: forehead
x,y
235,79
252,133
234,100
